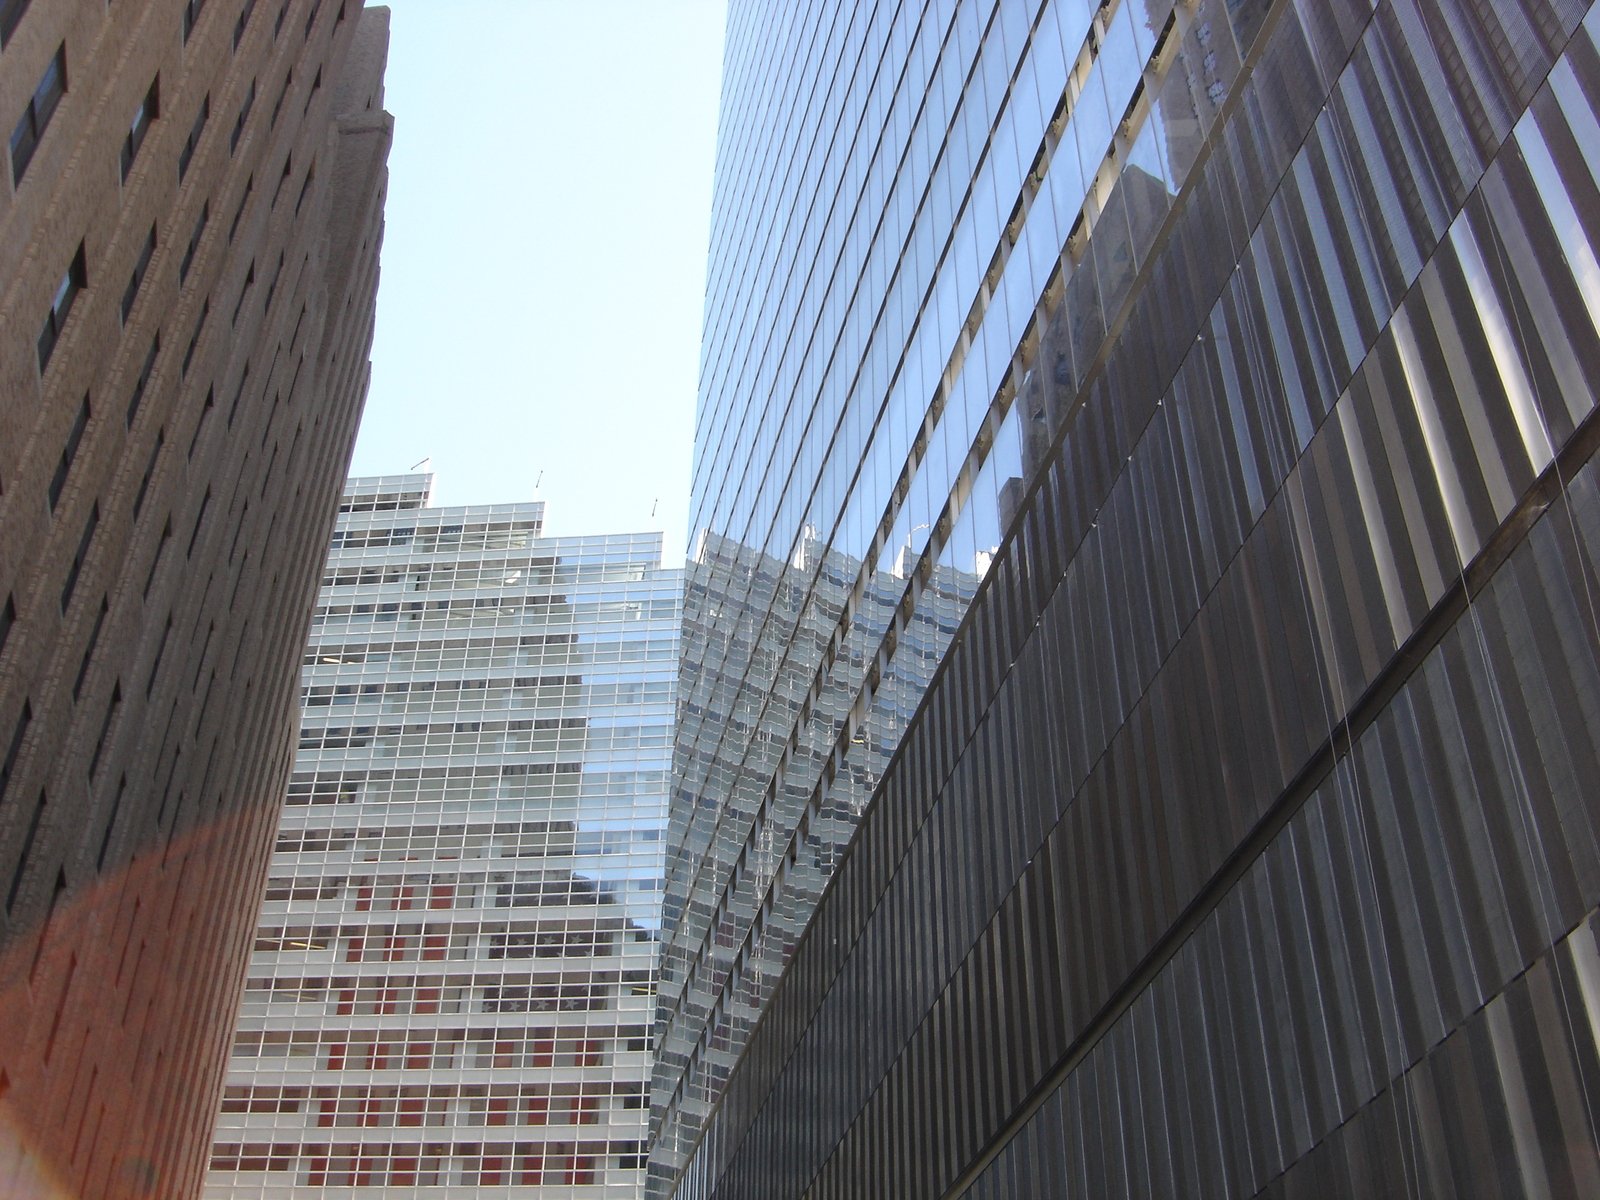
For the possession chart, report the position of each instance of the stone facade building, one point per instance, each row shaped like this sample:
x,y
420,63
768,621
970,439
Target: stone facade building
x,y
190,217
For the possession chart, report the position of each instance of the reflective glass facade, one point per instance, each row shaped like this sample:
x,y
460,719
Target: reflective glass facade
x,y
455,965
1247,824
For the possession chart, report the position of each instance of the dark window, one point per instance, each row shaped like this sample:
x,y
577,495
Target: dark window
x,y
139,268
8,618
277,26
161,651
305,187
105,728
88,651
36,116
144,378
58,481
277,105
238,213
149,471
21,868
194,242
15,750
243,23
316,86
80,556
73,282
155,563
199,520
148,110
311,17
233,409
191,14
244,115
10,16
273,286
199,328
249,282
200,425
186,155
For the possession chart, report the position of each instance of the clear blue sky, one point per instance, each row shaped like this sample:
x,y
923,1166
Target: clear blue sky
x,y
544,260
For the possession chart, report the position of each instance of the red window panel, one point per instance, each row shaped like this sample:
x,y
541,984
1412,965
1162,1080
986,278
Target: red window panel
x,y
434,946
419,1054
443,896
325,1112
537,1111
411,1112
319,1172
505,1053
500,1110
493,1171
403,1171
364,898
544,1051
530,1168
336,1056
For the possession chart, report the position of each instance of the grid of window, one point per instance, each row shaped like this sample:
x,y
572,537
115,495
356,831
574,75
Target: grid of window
x,y
1242,830
455,968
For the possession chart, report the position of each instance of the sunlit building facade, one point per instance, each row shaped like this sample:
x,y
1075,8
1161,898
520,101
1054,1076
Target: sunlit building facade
x,y
1237,821
454,972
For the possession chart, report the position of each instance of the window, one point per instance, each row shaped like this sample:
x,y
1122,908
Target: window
x,y
8,618
10,17
273,286
311,17
194,242
244,115
149,472
277,26
199,520
18,735
105,727
73,282
139,268
58,481
144,378
277,105
191,14
199,327
36,117
88,651
238,213
186,156
78,558
243,22
149,109
311,174
200,425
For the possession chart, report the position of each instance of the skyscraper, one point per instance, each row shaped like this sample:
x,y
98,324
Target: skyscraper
x,y
1244,838
190,217
455,968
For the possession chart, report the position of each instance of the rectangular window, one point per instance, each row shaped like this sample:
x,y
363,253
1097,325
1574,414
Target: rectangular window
x,y
8,618
80,556
186,155
316,86
273,286
36,116
149,109
149,471
244,115
155,563
194,242
277,26
10,17
199,328
199,520
243,23
277,105
69,452
191,15
73,282
311,17
244,292
144,378
105,728
238,213
200,425
305,187
88,651
18,735
233,409
161,652
131,294
22,859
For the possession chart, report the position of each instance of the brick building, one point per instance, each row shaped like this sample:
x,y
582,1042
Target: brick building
x,y
190,216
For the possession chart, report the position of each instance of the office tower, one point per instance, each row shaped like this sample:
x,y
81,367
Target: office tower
x,y
455,968
190,215
1244,841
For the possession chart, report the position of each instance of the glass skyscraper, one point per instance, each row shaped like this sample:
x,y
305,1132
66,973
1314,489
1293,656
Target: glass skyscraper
x,y
1140,713
455,965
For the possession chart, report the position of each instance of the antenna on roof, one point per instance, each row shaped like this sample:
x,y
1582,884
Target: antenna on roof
x,y
421,462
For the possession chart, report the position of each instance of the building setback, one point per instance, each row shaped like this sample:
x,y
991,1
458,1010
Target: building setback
x,y
191,208
1245,840
455,967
